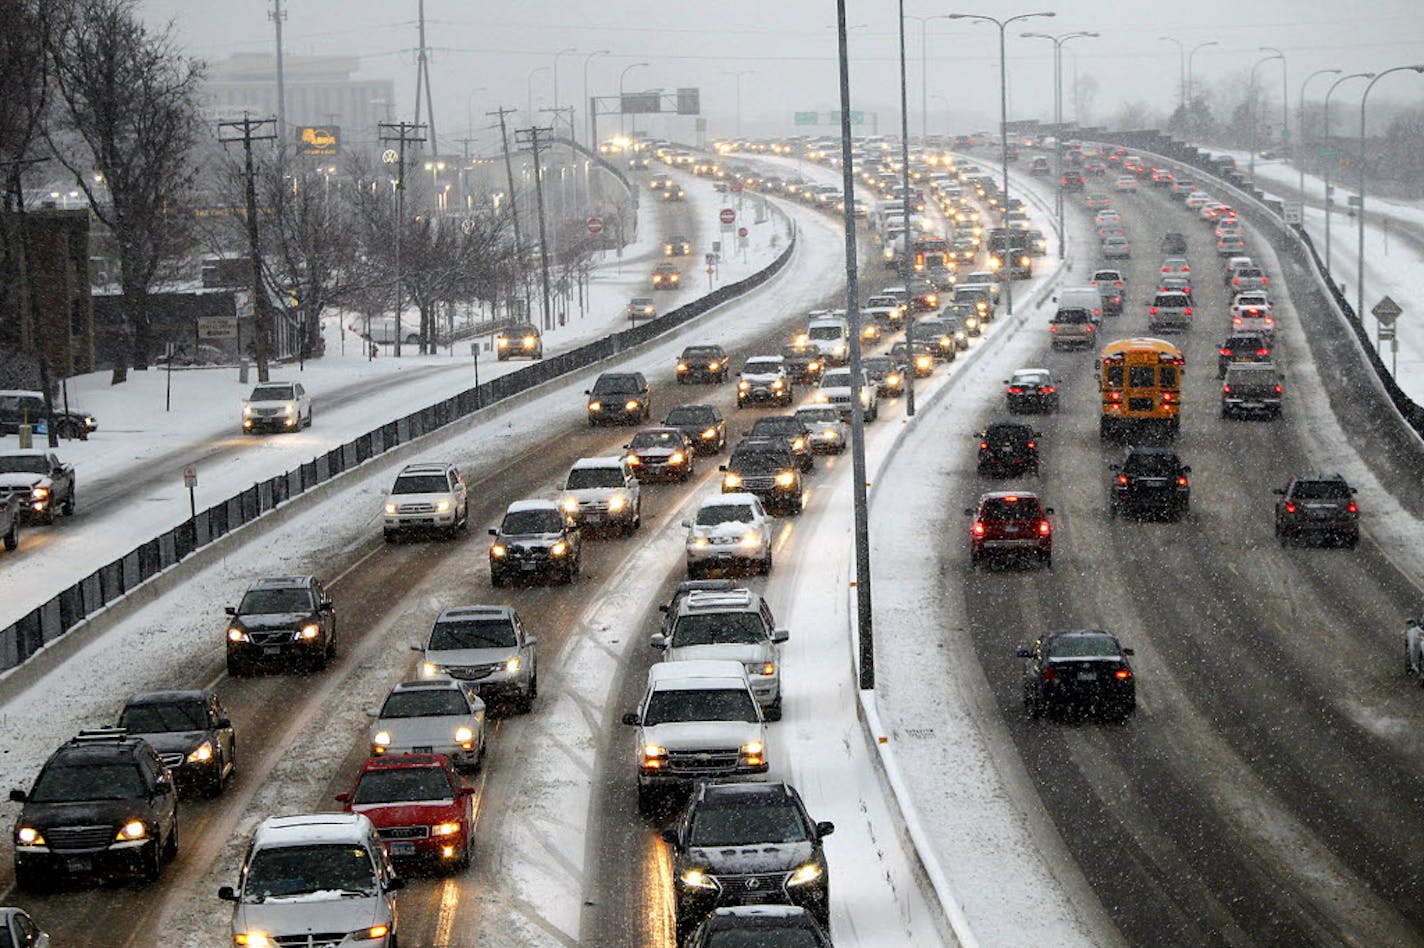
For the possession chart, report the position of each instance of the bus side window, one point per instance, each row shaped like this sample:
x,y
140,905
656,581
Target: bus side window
x,y
1114,376
1168,374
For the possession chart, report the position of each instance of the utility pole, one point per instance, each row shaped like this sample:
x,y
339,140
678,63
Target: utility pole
x,y
31,294
560,213
422,80
277,15
530,136
400,134
513,204
253,130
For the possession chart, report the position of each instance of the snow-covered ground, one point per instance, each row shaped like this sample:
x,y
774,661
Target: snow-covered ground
x,y
138,437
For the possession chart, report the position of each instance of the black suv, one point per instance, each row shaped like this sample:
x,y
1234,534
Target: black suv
x,y
535,537
1084,669
191,732
279,621
1009,448
24,407
1150,480
722,825
702,364
619,398
103,805
703,424
1242,347
803,363
766,469
1318,506
789,430
521,339
760,925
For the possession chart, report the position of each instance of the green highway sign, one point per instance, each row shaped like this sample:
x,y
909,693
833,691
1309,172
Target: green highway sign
x,y
805,118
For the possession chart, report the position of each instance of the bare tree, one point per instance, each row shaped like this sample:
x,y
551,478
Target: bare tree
x,y
128,112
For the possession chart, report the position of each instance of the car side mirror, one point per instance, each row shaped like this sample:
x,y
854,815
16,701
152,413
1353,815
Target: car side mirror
x,y
780,635
18,796
1114,467
1048,510
669,836
825,828
687,523
1128,651
328,606
1186,468
631,719
343,797
587,392
394,884
1406,622
1024,653
373,712
1279,490
494,531
625,447
227,894
657,640
231,610
224,723
721,467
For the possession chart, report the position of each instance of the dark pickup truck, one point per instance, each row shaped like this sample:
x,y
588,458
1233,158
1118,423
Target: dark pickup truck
x,y
39,482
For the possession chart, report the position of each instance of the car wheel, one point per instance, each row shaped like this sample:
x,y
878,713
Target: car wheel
x,y
1352,540
30,881
1033,705
570,572
213,786
765,567
773,710
49,515
650,803
12,536
236,668
170,848
1046,560
152,866
67,508
496,579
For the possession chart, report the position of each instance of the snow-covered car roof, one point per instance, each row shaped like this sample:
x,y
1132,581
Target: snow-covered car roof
x,y
522,505
596,463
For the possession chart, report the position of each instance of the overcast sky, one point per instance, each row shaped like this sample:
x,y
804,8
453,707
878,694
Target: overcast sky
x,y
483,53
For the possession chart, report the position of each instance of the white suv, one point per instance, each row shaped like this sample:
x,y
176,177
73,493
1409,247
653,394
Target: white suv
x,y
729,530
603,491
836,390
325,872
698,720
427,497
277,406
734,624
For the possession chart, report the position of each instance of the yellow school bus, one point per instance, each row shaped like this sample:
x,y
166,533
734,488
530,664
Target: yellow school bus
x,y
1141,384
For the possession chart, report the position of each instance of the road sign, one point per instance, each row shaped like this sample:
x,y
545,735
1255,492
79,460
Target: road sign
x,y
741,231
190,477
595,225
217,327
804,118
726,215
1386,311
1292,212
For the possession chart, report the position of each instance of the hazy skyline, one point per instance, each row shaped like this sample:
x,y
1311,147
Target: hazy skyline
x,y
482,56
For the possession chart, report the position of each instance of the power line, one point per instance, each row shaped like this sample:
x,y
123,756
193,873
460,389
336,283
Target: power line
x,y
253,130
399,134
531,137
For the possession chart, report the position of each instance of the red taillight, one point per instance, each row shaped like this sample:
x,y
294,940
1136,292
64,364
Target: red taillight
x,y
1033,444
1117,283
1265,352
1049,673
1043,528
1153,310
1166,269
978,528
983,444
1114,396
1290,506
1181,482
1052,328
1168,397
1090,327
1047,390
1278,389
1122,674
1122,479
1189,310
1353,508
1226,389
1015,390
1265,281
1225,352
1270,320
1235,281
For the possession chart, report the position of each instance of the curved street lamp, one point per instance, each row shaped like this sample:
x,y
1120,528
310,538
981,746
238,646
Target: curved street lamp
x,y
1360,255
1003,115
620,95
1058,42
1285,95
1300,125
1331,156
1189,67
1181,69
587,104
1251,101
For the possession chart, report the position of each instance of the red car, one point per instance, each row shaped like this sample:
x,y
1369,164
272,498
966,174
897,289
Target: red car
x,y
1010,523
420,807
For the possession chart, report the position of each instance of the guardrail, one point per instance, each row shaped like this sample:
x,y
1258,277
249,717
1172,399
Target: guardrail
x,y
113,581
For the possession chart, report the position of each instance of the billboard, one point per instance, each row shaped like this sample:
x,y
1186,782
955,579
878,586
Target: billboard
x,y
641,103
319,141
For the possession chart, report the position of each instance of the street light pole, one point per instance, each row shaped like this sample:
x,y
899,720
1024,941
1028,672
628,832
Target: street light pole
x,y
1300,128
1251,101
1003,116
587,103
905,208
1360,254
1285,96
1331,157
1199,46
566,49
924,65
738,77
1181,71
529,89
621,124
1058,42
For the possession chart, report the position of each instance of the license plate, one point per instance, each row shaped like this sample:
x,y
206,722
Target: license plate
x,y
271,650
423,750
1011,530
79,864
528,567
1087,676
399,848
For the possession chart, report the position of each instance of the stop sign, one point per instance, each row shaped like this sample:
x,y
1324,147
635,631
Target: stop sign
x,y
595,225
727,215
741,231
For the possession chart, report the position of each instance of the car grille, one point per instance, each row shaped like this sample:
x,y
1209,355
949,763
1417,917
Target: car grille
x,y
837,399
313,940
470,672
695,762
78,838
756,483
271,637
754,887
266,412
171,760
417,508
405,832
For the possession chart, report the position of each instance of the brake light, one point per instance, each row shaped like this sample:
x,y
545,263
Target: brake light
x,y
1114,396
1153,310
1236,321
1033,444
1049,673
1189,310
1122,674
1225,352
983,444
978,528
1226,389
1015,390
1270,320
1181,482
1235,281
1166,269
1052,328
1090,327
1278,389
1265,281
1122,479
1266,352
1043,528
1290,506
1169,397
1047,389
1352,508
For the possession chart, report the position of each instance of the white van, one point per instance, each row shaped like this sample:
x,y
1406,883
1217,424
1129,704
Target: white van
x,y
320,872
1082,297
831,337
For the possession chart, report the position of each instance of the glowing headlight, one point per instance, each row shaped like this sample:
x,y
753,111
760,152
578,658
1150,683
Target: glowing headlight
x,y
246,410
806,873
732,480
529,342
697,879
713,366
382,739
892,378
252,940
753,749
822,397
751,539
699,543
289,409
630,405
617,502
392,508
677,457
444,829
777,383
39,493
785,479
595,406
309,632
236,635
498,550
202,754
372,933
709,434
767,668
813,366
442,506
559,549
502,343
682,366
29,836
570,505
971,322
743,385
799,444
133,829
463,734
429,670
924,362
512,665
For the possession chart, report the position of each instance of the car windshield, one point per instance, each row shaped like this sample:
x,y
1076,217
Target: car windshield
x,y
520,331
1088,645
616,385
825,332
1008,433
259,602
1321,490
162,718
747,825
421,484
1030,378
424,703
703,415
700,704
23,464
472,633
403,786
762,367
835,380
725,513
825,416
1002,508
583,478
1072,316
759,462
518,522
95,781
341,869
272,393
719,628
701,352
1151,465
656,439
771,427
